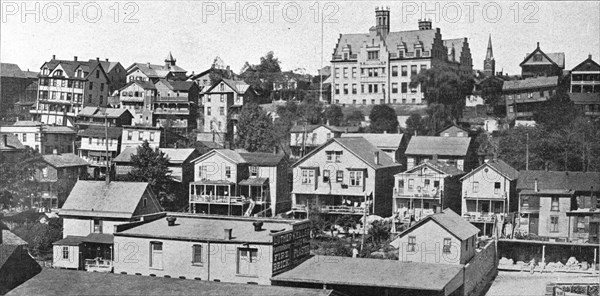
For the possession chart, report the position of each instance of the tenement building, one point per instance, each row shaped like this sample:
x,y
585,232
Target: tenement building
x,y
376,67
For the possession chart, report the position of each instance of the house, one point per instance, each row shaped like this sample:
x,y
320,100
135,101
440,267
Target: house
x,y
42,137
99,145
137,97
306,138
16,265
217,69
66,87
453,130
585,87
455,151
213,248
584,217
539,63
523,97
152,73
426,189
180,163
57,176
116,73
221,105
134,136
547,200
175,104
93,116
374,277
344,176
375,67
241,184
19,88
445,235
90,215
394,145
489,194
69,282
10,146
587,103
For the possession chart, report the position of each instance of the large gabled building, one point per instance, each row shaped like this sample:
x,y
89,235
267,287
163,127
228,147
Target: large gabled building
x,y
539,63
152,73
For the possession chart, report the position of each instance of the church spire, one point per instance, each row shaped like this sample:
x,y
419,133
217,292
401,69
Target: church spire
x,y
490,53
489,64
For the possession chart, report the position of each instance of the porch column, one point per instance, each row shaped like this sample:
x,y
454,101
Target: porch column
x,y
491,210
229,200
476,205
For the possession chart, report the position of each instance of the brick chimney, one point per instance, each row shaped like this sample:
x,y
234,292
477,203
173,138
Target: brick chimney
x,y
376,156
75,58
535,185
54,57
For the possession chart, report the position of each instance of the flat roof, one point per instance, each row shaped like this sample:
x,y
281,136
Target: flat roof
x,y
372,272
210,227
70,282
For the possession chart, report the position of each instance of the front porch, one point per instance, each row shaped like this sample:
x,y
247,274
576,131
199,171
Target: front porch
x,y
225,197
332,204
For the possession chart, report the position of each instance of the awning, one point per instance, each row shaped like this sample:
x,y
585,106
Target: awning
x,y
212,182
99,238
70,240
254,181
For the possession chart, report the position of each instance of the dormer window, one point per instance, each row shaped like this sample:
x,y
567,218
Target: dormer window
x,y
401,53
46,71
418,53
79,73
58,73
373,55
345,56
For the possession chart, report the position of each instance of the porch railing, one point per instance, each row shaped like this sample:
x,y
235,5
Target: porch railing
x,y
224,199
335,209
98,265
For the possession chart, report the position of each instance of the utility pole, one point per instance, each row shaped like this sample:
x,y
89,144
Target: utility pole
x,y
362,243
107,177
527,153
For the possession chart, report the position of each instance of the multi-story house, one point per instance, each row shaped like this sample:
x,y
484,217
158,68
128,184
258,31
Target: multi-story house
x,y
547,199
489,193
213,248
455,151
57,176
539,63
308,137
585,87
443,237
19,88
376,67
344,176
523,97
94,116
90,215
175,104
152,73
10,147
134,136
66,87
426,189
584,218
221,105
137,97
453,131
394,145
42,137
241,184
116,73
95,141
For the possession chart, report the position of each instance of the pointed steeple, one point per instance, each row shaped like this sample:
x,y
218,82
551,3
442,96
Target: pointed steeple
x,y
170,60
490,53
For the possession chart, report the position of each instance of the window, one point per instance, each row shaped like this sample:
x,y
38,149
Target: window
x,y
475,187
65,252
97,73
404,71
554,224
197,254
411,183
222,99
370,88
364,102
247,259
375,86
373,55
97,226
354,91
45,172
554,206
356,178
537,57
337,72
152,136
370,72
426,183
497,188
228,172
308,176
102,87
140,136
203,172
354,72
339,176
394,88
412,243
394,71
511,109
423,68
345,88
24,137
221,110
91,85
145,202
156,255
253,171
337,89
447,244
362,88
325,176
413,70
345,72
525,201
208,113
90,141
404,87
418,52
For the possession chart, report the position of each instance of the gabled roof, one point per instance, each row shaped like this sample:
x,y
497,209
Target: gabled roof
x,y
358,146
233,156
106,65
64,160
392,41
587,65
142,84
98,112
556,58
448,146
240,87
449,220
262,159
70,67
177,85
457,44
11,70
500,167
175,155
12,142
379,140
452,126
530,83
557,180
311,127
99,132
97,199
439,166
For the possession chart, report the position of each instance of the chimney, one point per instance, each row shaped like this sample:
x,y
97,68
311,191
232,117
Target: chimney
x,y
435,157
376,155
227,234
107,59
258,225
171,221
75,58
535,185
590,56
148,64
538,44
54,57
97,59
55,151
425,24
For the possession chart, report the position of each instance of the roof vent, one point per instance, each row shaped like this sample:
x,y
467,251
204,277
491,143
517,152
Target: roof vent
x,y
227,233
258,225
171,220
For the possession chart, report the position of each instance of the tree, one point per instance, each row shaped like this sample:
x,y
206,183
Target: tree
x,y
379,231
415,125
151,166
40,236
17,173
255,130
263,75
555,113
355,117
438,116
383,119
311,111
491,92
346,222
334,115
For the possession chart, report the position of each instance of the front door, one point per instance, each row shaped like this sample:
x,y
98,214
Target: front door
x,y
533,225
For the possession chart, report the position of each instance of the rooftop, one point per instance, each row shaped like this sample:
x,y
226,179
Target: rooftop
x,y
365,150
448,146
175,155
99,132
499,166
448,220
70,282
530,83
64,160
372,272
379,140
559,180
173,85
98,112
439,166
262,159
9,238
12,142
207,227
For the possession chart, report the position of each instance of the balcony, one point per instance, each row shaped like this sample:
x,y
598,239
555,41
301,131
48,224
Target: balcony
x,y
171,99
336,209
172,111
132,99
219,199
480,217
529,209
98,265
417,194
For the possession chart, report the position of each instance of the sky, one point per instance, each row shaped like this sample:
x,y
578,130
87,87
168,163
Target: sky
x,y
239,31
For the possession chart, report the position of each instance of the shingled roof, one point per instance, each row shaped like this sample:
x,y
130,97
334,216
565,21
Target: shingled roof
x,y
530,83
12,142
97,112
64,160
449,220
500,167
447,146
439,166
11,70
379,140
99,132
262,159
559,180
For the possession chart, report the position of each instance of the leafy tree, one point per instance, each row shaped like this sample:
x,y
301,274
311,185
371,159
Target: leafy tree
x,y
311,111
17,173
383,119
263,75
151,166
438,116
491,92
555,113
355,117
379,231
40,236
255,129
415,125
346,222
334,115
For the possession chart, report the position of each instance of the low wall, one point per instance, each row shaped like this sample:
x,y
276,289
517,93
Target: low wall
x,y
480,270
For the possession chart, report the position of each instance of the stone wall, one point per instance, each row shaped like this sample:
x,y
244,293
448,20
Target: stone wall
x,y
481,269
